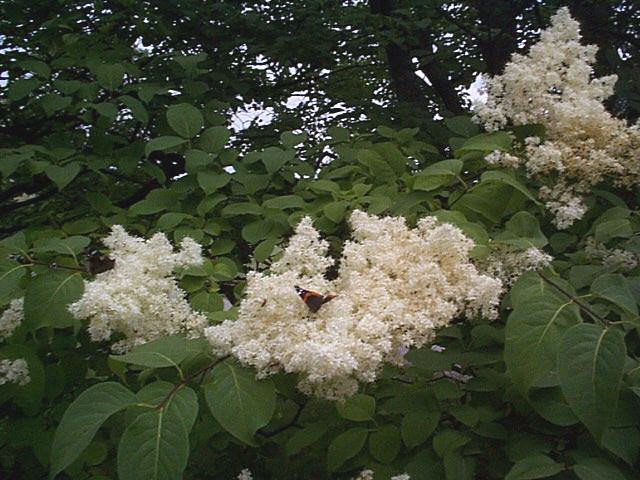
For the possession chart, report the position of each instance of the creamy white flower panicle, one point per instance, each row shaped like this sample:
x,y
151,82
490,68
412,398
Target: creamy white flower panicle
x,y
139,298
11,318
508,264
245,474
395,286
553,85
14,371
369,475
616,259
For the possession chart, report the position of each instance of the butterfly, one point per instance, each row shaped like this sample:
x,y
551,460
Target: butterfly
x,y
314,300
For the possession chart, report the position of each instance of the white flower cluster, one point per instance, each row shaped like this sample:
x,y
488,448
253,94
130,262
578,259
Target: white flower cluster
x,y
508,264
14,371
245,474
395,287
369,475
552,85
139,298
11,318
614,259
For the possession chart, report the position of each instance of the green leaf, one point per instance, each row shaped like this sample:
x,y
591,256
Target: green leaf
x,y
207,302
335,211
110,76
416,427
358,408
239,402
163,143
154,447
11,274
164,352
197,160
275,158
499,176
19,89
462,125
448,441
532,335
345,446
290,139
617,228
535,466
214,139
264,249
591,363
597,469
211,182
137,108
243,208
62,176
384,443
106,109
47,298
615,288
182,404
437,175
156,201
257,230
170,220
52,102
523,231
186,120
82,419
486,142
305,438
284,202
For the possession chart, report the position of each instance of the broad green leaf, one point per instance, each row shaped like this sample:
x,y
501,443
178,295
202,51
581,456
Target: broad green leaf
x,y
305,438
196,160
462,125
52,102
263,249
106,109
384,443
207,302
11,274
239,402
358,408
182,404
244,208
110,76
186,120
154,447
47,298
257,230
499,176
551,405
535,466
214,139
448,441
63,176
18,89
532,335
597,469
211,182
290,139
616,228
345,446
156,201
416,427
82,419
138,110
437,175
275,158
170,220
591,363
163,143
285,202
335,211
615,288
486,142
164,352
523,231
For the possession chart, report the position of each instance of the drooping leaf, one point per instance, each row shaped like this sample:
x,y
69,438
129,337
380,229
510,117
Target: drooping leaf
x,y
591,363
535,466
82,419
239,402
186,120
345,446
47,298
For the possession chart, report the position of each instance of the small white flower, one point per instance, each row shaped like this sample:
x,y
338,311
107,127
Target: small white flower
x,y
245,474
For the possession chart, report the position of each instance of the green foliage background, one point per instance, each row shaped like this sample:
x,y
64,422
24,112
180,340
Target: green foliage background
x,y
104,132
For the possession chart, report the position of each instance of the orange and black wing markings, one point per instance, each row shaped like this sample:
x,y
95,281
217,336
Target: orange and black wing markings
x,y
313,300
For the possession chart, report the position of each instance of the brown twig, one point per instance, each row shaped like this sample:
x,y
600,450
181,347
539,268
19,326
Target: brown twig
x,y
187,379
574,299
